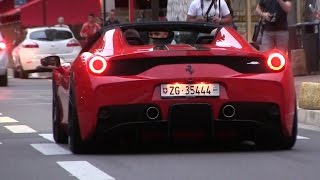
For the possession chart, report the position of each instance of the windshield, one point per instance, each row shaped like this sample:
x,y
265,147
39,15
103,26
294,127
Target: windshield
x,y
51,35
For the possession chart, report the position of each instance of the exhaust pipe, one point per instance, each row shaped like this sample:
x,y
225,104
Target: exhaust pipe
x,y
228,111
152,113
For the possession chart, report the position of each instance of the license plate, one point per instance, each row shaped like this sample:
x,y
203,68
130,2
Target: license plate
x,y
189,90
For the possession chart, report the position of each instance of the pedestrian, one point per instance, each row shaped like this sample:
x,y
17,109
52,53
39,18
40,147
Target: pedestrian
x,y
162,16
143,16
219,12
60,22
112,18
232,14
275,26
89,28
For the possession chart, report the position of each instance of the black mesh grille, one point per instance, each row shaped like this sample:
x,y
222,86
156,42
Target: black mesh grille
x,y
137,66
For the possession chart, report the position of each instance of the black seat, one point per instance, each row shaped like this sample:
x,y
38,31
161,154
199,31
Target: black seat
x,y
134,41
204,40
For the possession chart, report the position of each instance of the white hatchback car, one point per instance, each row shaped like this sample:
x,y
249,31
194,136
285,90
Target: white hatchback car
x,y
3,62
42,42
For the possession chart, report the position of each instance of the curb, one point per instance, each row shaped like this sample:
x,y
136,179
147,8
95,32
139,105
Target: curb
x,y
309,117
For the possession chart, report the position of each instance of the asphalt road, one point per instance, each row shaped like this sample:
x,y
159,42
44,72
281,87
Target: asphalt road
x,y
27,151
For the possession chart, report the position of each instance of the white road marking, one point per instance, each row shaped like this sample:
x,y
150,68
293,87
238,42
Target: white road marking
x,y
0,142
50,149
302,137
7,120
48,137
20,129
1,114
83,170
50,80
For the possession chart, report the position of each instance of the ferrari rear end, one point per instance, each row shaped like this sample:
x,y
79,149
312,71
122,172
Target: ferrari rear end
x,y
183,92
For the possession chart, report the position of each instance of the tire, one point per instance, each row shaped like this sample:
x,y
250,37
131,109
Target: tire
x,y
23,74
76,144
4,80
279,141
59,134
288,142
16,74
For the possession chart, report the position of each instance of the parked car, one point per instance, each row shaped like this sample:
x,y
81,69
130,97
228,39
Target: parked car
x,y
208,84
42,42
3,62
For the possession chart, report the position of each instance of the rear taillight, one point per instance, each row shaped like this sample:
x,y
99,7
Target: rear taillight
x,y
276,61
97,65
3,46
30,45
73,43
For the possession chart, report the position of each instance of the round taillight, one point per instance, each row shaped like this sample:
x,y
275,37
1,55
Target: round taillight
x,y
276,61
3,46
97,65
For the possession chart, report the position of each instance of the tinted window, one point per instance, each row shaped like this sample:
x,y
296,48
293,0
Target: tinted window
x,y
50,35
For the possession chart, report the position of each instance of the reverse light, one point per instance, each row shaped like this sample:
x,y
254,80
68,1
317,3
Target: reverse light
x,y
73,43
97,65
3,46
276,61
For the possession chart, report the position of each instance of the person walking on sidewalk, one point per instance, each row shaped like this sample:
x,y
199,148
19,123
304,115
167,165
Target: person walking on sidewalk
x,y
275,26
112,18
89,28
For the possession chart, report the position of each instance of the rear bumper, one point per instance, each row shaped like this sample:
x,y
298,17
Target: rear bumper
x,y
190,121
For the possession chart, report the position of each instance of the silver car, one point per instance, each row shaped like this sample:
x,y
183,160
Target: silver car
x,y
3,62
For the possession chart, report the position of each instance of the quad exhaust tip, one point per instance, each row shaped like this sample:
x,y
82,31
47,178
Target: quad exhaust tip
x,y
228,111
152,113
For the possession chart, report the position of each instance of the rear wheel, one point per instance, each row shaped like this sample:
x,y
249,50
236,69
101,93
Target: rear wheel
x,y
23,74
289,142
4,80
76,144
279,141
59,134
16,74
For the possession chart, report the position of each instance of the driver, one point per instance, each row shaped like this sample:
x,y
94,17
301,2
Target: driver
x,y
161,37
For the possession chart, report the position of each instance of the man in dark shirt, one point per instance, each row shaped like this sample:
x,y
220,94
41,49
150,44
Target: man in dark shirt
x,y
112,19
274,14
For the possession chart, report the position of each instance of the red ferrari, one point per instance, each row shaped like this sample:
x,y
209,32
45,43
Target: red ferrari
x,y
177,80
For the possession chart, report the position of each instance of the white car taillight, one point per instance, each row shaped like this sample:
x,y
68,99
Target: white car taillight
x,y
30,45
3,46
73,43
97,65
276,61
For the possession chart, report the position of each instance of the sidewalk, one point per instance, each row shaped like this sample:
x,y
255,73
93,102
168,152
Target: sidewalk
x,y
309,117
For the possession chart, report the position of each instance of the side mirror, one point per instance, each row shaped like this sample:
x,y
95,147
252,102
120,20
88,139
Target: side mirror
x,y
51,61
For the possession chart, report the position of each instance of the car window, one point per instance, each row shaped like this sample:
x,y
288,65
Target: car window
x,y
51,35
